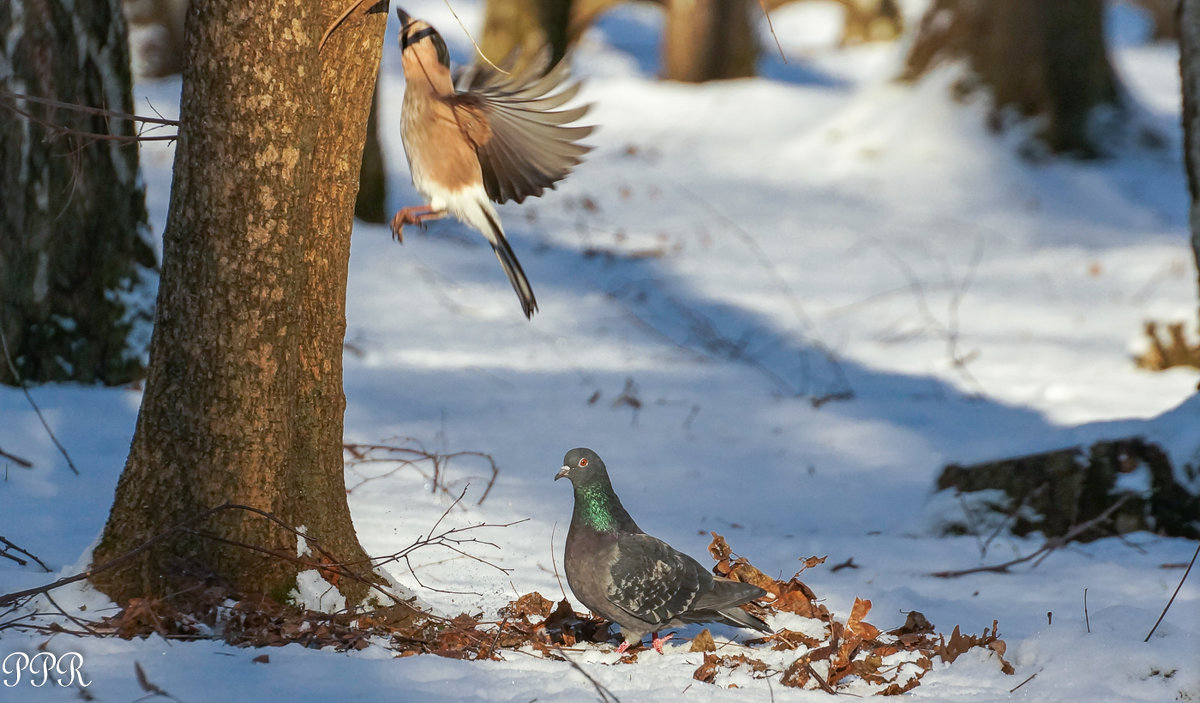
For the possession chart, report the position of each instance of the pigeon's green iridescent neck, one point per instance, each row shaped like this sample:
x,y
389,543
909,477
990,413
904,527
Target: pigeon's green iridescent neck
x,y
596,506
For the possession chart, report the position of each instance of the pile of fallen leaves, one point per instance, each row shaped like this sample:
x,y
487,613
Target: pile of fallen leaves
x,y
830,654
889,662
216,613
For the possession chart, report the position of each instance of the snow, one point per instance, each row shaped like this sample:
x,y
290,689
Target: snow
x,y
726,253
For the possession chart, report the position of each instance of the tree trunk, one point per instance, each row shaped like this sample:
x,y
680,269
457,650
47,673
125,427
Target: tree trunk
x,y
76,266
155,36
519,29
244,399
1041,59
371,202
1164,15
706,40
1189,66
870,21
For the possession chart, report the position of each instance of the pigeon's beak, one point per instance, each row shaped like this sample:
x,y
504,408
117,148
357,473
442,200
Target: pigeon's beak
x,y
562,472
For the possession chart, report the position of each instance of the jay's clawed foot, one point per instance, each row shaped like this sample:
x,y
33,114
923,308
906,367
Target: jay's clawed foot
x,y
414,215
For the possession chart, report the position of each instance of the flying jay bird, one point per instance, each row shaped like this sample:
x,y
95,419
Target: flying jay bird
x,y
492,137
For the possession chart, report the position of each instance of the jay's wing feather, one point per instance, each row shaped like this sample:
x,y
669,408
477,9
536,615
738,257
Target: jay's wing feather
x,y
530,148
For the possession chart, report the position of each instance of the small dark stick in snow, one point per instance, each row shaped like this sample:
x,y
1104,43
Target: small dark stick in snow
x,y
638,581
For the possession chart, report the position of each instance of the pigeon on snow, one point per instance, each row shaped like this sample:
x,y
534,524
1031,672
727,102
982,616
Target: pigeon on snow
x,y
638,581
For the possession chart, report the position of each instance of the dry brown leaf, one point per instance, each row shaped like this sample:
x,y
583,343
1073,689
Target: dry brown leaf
x,y
813,561
914,624
532,603
707,671
798,603
703,642
857,625
718,548
796,674
790,639
746,573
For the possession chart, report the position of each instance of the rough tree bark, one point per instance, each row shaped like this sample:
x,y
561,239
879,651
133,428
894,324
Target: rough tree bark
x,y
1039,59
76,266
705,40
244,398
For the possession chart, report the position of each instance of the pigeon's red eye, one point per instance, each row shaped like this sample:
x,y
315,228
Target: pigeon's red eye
x,y
582,463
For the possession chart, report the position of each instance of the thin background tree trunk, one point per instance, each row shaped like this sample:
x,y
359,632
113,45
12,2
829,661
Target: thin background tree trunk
x,y
76,267
1189,65
244,400
371,203
519,29
706,40
1043,59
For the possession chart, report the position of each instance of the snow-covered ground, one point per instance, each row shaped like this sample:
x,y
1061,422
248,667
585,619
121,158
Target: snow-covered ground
x,y
727,253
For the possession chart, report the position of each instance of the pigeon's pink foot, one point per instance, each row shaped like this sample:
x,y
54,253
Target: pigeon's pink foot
x,y
658,642
623,647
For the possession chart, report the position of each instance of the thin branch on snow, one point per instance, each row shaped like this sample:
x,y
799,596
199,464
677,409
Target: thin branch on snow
x,y
12,367
6,545
411,457
1051,545
1172,599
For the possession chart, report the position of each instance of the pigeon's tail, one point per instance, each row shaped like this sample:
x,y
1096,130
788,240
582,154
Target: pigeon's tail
x,y
724,598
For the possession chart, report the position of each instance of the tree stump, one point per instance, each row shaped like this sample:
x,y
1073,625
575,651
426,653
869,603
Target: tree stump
x,y
1053,491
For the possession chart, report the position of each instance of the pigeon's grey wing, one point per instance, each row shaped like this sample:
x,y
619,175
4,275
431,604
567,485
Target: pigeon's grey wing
x,y
654,582
531,146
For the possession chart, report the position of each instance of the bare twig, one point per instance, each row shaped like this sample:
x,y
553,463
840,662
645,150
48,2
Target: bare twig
x,y
6,545
789,294
770,26
9,100
1086,620
337,23
23,463
1172,600
820,681
1014,688
554,561
447,539
1049,547
409,456
81,623
332,564
145,684
948,330
601,690
8,95
473,43
21,382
